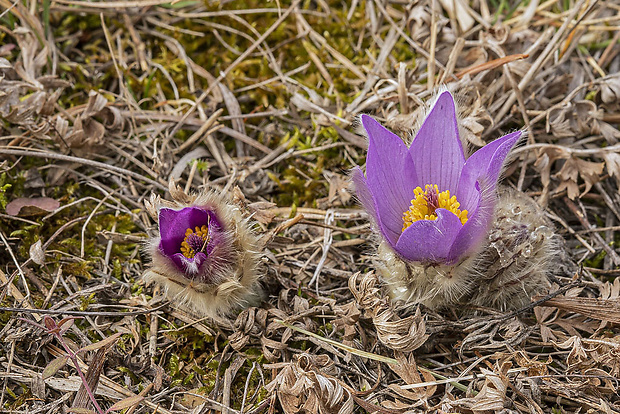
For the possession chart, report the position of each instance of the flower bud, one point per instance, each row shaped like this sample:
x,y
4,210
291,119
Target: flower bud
x,y
206,256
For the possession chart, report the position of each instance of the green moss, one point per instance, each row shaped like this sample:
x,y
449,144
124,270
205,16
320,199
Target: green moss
x,y
596,261
4,187
129,373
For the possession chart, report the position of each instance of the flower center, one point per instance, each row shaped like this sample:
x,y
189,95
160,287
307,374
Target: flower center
x,y
425,203
195,241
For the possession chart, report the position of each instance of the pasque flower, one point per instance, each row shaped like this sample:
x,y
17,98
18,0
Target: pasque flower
x,y
430,204
193,239
206,256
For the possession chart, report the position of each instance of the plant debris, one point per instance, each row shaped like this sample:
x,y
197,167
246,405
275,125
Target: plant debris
x,y
104,103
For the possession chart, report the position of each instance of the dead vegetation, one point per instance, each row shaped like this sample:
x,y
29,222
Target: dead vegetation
x,y
103,103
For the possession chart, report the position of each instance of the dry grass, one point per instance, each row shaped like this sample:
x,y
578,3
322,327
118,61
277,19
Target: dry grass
x,y
102,103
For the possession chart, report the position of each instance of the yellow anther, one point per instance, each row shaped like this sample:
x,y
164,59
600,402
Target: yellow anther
x,y
426,201
195,241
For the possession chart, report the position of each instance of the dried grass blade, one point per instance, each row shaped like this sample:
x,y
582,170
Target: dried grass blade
x,y
17,295
114,4
82,400
595,308
106,382
492,64
110,340
202,131
344,347
91,163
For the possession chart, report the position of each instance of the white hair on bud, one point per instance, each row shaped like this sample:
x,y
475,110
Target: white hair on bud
x,y
512,265
235,281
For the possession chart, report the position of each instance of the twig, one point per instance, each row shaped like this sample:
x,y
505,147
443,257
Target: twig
x,y
586,224
84,161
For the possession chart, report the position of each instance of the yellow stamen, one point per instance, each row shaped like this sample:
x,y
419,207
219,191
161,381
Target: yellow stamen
x,y
195,241
425,203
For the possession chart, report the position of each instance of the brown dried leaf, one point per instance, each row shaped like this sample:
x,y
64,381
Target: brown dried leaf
x,y
577,355
347,318
37,254
545,317
609,290
96,102
407,370
405,335
53,367
573,119
491,397
610,90
610,133
559,124
493,393
534,367
544,162
110,340
338,189
126,403
418,21
31,59
31,206
596,308
82,398
612,162
465,20
573,168
303,386
366,294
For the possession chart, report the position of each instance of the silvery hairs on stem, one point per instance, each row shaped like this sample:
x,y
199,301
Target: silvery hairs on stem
x,y
448,235
206,256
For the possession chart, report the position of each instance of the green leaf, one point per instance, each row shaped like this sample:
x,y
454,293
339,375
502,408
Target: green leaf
x,y
54,366
46,15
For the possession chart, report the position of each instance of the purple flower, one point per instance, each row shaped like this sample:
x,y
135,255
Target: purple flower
x,y
429,203
193,240
207,257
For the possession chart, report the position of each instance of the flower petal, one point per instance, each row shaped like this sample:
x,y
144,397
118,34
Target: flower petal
x,y
174,223
474,231
486,163
436,150
368,202
429,241
363,192
390,176
187,265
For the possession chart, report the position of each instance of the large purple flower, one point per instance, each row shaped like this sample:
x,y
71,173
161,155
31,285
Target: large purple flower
x,y
429,203
188,238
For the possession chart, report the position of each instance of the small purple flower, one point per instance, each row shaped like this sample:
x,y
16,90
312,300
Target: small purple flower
x,y
429,203
192,238
207,257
